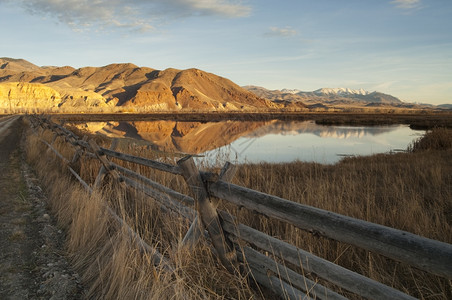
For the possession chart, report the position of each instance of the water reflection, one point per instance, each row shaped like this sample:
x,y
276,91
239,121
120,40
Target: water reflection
x,y
172,136
296,128
274,141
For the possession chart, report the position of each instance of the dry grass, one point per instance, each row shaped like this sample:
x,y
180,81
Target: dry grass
x,y
436,139
408,191
112,266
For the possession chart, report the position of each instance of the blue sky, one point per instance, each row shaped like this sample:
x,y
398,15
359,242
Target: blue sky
x,y
399,47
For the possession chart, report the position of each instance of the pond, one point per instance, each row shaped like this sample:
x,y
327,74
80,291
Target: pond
x,y
269,141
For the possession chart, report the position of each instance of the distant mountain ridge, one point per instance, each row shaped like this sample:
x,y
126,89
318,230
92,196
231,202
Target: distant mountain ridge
x,y
445,106
325,97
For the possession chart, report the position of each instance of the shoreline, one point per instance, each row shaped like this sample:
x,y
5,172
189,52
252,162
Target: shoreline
x,y
416,120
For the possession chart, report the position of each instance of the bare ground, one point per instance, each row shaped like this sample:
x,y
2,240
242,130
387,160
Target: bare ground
x,y
33,264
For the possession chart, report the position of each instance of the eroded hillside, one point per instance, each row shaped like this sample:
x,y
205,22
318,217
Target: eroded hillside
x,y
119,87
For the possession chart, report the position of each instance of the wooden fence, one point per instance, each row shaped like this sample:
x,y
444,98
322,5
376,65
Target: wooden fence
x,y
236,244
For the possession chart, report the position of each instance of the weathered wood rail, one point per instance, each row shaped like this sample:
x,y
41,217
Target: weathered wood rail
x,y
228,237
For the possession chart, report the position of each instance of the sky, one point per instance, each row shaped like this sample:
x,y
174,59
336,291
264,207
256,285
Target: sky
x,y
399,47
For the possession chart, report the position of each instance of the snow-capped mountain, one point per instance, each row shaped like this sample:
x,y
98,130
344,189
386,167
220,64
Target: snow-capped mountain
x,y
290,91
327,96
341,91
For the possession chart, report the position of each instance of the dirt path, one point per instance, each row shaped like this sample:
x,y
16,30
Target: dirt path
x,y
32,261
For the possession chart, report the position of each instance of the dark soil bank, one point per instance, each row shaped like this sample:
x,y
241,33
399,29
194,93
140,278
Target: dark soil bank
x,y
422,121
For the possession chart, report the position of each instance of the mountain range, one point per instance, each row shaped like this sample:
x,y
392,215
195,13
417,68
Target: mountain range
x,y
120,87
126,87
332,97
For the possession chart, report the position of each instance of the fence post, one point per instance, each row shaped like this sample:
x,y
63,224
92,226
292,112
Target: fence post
x,y
107,167
103,170
79,151
195,231
55,135
208,213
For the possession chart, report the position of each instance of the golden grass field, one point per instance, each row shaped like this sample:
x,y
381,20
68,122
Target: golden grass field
x,y
409,191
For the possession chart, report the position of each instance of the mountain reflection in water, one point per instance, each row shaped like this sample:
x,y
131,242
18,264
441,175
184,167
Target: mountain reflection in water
x,y
173,136
276,141
295,128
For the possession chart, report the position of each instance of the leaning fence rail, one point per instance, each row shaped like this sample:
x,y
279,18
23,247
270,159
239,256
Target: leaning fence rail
x,y
226,234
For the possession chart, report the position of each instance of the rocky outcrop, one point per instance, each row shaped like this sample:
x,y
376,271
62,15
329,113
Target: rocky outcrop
x,y
155,95
28,96
37,97
80,99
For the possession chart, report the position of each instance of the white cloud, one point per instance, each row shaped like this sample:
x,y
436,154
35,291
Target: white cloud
x,y
137,15
283,32
407,4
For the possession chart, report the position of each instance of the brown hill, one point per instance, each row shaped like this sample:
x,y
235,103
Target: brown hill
x,y
16,65
127,87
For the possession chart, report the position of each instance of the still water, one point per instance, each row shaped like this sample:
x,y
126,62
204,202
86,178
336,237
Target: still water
x,y
323,144
270,141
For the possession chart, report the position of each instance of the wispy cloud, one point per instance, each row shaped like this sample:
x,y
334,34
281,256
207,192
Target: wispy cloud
x,y
136,15
281,32
384,86
407,4
209,7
